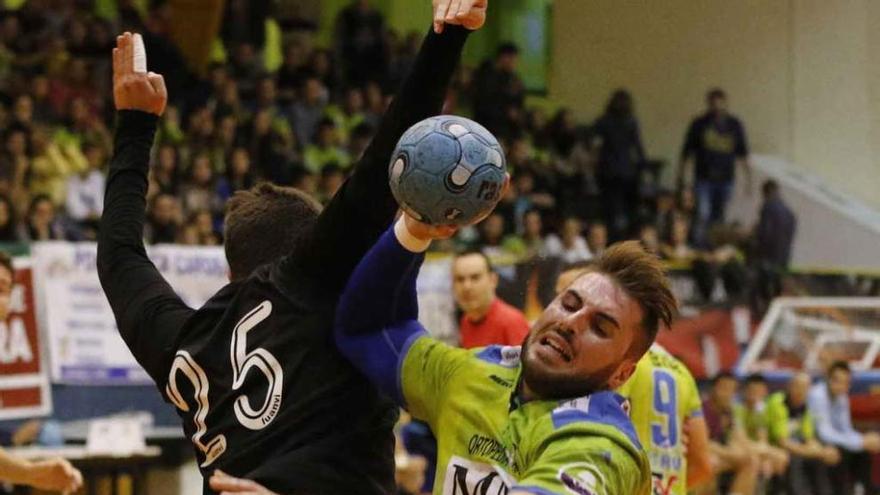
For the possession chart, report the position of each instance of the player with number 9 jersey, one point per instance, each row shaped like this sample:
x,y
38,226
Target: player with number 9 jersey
x,y
662,394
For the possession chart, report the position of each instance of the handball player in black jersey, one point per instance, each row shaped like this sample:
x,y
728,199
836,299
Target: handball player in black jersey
x,y
254,373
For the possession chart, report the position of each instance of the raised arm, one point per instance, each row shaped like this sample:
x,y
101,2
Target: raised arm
x,y
148,312
363,207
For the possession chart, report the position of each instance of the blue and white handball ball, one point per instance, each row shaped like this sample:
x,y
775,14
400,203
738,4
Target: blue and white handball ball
x,y
447,170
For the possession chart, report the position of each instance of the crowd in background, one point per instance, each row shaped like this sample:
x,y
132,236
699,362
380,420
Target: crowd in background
x,y
576,186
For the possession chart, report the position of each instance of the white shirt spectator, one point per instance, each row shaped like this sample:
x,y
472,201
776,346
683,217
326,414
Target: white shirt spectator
x,y
577,252
85,195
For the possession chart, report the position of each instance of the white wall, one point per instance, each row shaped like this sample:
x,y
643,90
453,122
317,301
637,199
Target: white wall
x,y
804,75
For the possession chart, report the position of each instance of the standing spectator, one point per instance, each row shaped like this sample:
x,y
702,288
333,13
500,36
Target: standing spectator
x,y
360,36
570,247
85,193
828,402
774,235
727,442
486,319
619,147
499,93
792,426
717,142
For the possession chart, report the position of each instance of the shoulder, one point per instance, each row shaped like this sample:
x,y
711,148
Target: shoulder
x,y
500,355
607,410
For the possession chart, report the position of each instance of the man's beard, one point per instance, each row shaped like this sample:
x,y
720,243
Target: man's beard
x,y
557,386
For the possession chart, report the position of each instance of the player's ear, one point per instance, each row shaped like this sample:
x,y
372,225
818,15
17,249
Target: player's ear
x,y
622,374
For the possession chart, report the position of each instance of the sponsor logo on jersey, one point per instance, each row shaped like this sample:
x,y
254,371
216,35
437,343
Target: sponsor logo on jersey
x,y
501,381
487,448
582,478
467,477
510,356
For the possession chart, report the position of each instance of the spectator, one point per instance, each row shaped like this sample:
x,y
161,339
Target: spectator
x,y
307,111
163,220
326,149
8,228
791,426
752,414
359,140
533,233
164,175
774,235
828,402
350,114
570,247
486,319
676,248
621,155
15,164
85,193
332,178
499,93
271,149
360,36
727,441
716,141
597,238
52,164
200,191
239,176
650,239
42,223
527,197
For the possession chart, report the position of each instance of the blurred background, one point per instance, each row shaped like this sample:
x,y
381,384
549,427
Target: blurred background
x,y
740,141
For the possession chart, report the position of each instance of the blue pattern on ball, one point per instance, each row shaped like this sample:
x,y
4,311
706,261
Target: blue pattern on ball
x,y
447,170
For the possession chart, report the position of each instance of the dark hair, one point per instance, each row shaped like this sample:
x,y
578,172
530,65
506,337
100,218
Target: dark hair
x,y
265,223
475,252
839,366
641,275
39,198
755,378
507,48
715,93
6,262
722,375
362,131
620,104
770,188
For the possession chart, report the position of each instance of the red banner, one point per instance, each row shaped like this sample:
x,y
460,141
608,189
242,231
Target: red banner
x,y
24,380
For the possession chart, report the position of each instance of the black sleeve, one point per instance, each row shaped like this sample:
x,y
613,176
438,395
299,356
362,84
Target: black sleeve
x,y
742,144
148,313
364,206
691,140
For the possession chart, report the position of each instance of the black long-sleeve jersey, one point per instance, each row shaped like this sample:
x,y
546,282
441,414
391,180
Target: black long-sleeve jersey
x,y
254,373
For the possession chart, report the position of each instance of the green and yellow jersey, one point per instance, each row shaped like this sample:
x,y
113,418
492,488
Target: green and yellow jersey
x,y
662,393
491,443
753,420
783,423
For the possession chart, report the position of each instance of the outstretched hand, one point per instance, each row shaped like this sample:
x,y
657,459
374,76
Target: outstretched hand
x,y
144,91
468,13
227,485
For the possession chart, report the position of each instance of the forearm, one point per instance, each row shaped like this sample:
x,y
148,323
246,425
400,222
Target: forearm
x,y
364,206
376,319
14,470
122,224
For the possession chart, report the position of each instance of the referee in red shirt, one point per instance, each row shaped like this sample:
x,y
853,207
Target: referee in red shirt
x,y
486,319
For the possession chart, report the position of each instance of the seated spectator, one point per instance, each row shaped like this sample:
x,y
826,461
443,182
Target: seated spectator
x,y
52,164
170,131
9,231
325,149
728,444
597,238
165,173
200,191
533,234
359,140
42,223
752,414
350,114
650,239
203,222
486,319
307,111
332,178
528,197
163,219
677,249
239,176
828,402
271,148
791,426
570,247
15,165
85,193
